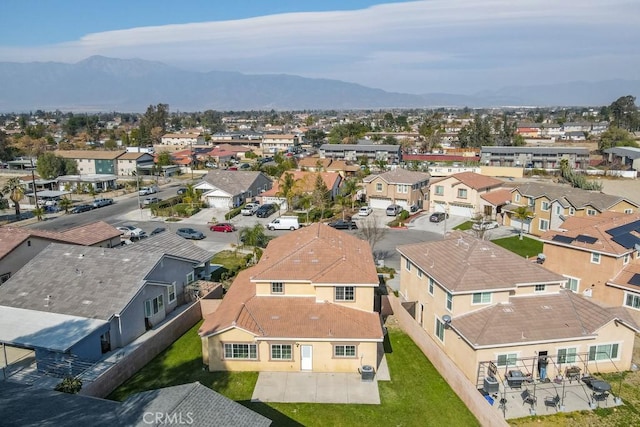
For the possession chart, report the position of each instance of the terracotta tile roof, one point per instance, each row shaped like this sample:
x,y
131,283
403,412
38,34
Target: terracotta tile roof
x,y
320,254
305,181
234,148
477,181
89,154
526,319
497,197
569,196
462,263
312,162
400,176
288,317
624,278
596,227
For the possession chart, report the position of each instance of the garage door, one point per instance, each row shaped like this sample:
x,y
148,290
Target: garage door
x,y
379,203
465,211
518,225
218,202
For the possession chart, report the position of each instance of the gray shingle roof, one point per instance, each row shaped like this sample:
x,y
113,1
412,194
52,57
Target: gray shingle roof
x,y
170,244
233,182
400,176
569,196
81,281
537,150
630,152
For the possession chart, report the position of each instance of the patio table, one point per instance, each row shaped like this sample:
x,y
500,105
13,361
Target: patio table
x,y
600,386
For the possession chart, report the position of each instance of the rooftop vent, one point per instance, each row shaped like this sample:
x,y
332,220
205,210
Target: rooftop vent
x,y
507,310
314,317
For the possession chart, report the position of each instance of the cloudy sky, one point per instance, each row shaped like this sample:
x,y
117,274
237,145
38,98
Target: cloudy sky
x,y
455,46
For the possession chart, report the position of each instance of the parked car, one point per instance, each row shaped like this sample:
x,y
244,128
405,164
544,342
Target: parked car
x,y
284,223
413,208
365,211
157,231
190,233
81,208
131,231
223,227
150,200
181,191
249,209
438,217
342,224
145,191
98,203
265,211
485,225
244,167
393,210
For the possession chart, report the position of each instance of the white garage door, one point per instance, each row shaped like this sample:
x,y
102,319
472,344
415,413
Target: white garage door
x,y
379,203
218,202
520,225
465,211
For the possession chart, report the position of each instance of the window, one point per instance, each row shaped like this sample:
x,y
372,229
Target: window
x,y
517,198
344,351
558,209
190,277
532,202
507,359
439,329
625,259
439,190
462,193
572,211
449,301
481,298
595,258
172,293
240,351
628,211
573,283
632,300
544,206
407,264
430,286
277,287
567,355
153,306
403,188
281,352
544,224
603,352
379,187
540,288
419,273
345,293
591,212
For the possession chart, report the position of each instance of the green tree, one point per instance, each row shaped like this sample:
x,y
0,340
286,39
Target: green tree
x,y
255,237
320,195
615,137
39,213
315,137
14,189
349,189
65,204
70,385
625,113
164,159
287,188
7,151
522,214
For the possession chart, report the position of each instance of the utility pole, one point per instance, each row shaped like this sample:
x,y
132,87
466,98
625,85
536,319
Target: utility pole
x,y
33,180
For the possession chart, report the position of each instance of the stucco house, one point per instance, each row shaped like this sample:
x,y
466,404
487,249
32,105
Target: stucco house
x,y
278,143
226,189
93,162
599,256
307,305
399,186
305,182
482,305
551,205
130,163
462,194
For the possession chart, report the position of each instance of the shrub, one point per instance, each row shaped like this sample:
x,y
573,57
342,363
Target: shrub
x,y
69,385
233,213
404,215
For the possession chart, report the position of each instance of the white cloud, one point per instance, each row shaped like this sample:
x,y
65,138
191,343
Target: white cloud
x,y
437,45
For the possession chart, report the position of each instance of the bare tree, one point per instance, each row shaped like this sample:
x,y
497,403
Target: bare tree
x,y
371,231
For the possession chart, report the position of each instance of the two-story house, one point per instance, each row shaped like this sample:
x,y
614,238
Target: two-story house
x,y
461,194
550,205
272,143
483,304
391,154
399,186
182,139
307,305
534,157
132,163
599,256
93,162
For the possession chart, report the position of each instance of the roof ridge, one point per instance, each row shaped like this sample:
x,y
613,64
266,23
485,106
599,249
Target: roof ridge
x,y
493,313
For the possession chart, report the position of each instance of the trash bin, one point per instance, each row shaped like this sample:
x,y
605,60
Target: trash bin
x,y
367,373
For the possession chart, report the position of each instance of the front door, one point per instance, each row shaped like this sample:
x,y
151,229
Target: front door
x,y
306,357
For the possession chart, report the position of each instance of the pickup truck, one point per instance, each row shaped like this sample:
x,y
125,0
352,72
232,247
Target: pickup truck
x,y
249,209
145,191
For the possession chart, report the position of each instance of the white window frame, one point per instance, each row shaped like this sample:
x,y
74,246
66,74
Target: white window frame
x,y
171,291
517,198
558,210
462,193
152,306
483,298
570,355
407,264
595,257
345,291
628,211
540,287
576,280
544,205
191,277
439,329
280,350
419,273
635,298
618,347
449,302
379,187
232,351
572,211
275,286
543,224
591,212
431,286
510,359
439,190
340,351
625,259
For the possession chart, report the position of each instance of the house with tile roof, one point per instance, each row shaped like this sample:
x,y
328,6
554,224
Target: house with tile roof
x,y
307,305
599,256
305,183
226,189
399,186
182,139
551,205
74,303
18,245
482,304
279,143
462,194
130,163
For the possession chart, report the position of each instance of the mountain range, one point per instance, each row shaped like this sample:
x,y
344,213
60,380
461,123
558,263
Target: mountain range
x,y
131,85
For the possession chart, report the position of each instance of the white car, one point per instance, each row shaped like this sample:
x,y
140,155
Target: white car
x,y
365,211
129,231
485,225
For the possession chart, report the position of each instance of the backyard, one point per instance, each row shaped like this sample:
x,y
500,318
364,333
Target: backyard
x,y
416,395
527,247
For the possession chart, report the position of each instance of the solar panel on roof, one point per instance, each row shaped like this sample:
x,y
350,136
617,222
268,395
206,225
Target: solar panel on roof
x,y
562,239
626,240
623,229
586,239
635,280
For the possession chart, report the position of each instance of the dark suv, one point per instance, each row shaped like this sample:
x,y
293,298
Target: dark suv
x,y
265,210
438,217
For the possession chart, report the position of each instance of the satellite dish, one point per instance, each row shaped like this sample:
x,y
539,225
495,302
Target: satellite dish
x,y
446,319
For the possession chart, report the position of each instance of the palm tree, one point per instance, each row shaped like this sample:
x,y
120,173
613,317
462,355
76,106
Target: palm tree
x,y
287,184
254,236
39,213
65,203
190,196
15,190
349,189
522,213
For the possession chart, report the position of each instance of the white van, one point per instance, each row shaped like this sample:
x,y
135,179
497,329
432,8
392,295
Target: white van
x,y
284,223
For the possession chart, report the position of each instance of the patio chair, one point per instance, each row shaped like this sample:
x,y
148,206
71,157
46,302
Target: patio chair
x,y
600,397
552,402
529,398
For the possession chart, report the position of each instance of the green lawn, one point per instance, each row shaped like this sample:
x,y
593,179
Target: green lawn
x,y
526,247
416,396
464,226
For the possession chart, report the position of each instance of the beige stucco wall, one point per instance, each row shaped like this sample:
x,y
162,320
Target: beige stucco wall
x,y
502,171
290,289
363,301
391,192
322,355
